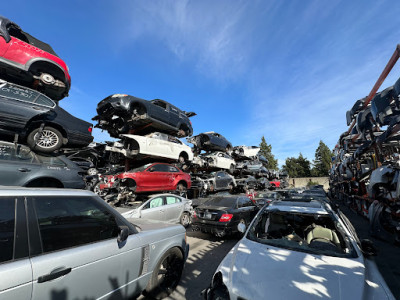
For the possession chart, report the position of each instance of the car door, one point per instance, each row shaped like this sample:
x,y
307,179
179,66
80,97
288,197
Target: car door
x,y
173,208
15,266
160,111
17,107
154,209
174,118
17,164
153,178
221,180
75,250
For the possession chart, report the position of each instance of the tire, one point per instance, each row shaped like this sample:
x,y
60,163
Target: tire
x,y
181,189
48,141
92,171
166,274
185,219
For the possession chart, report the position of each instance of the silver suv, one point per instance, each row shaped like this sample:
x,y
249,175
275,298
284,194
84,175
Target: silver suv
x,y
70,244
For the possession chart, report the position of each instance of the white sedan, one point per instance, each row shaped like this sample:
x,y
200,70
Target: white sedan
x,y
154,144
299,250
220,160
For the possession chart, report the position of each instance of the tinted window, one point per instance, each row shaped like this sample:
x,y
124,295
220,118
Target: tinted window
x,y
7,223
160,103
15,153
19,93
159,168
66,222
242,202
42,100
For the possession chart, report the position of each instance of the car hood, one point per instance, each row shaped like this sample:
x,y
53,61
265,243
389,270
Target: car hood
x,y
256,271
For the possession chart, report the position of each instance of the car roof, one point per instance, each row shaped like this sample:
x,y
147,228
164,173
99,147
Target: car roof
x,y
22,191
307,207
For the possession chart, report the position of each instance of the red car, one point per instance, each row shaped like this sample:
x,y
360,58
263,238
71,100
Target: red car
x,y
31,62
157,177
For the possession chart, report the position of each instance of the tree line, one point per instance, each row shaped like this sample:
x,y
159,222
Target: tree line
x,y
300,166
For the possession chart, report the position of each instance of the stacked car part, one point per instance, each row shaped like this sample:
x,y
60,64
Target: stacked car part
x,y
365,171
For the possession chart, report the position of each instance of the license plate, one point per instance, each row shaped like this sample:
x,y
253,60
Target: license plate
x,y
207,216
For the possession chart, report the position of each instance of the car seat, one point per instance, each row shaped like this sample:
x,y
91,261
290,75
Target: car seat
x,y
323,238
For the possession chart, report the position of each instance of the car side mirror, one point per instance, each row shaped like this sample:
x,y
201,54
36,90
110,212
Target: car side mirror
x,y
368,248
241,227
123,234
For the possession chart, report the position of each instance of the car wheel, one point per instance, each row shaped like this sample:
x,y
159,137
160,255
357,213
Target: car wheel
x,y
185,219
46,141
92,171
181,190
166,274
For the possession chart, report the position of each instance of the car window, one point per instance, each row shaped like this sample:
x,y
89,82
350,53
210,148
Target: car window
x,y
7,224
66,222
18,93
172,200
158,168
242,202
172,169
42,100
51,160
160,103
16,153
156,202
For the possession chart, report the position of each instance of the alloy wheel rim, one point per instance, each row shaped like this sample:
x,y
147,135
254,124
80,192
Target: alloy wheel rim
x,y
46,139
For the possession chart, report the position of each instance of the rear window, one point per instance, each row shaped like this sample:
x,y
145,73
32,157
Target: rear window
x,y
222,201
51,160
11,152
18,93
7,224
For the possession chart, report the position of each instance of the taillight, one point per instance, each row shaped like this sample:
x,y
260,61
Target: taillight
x,y
194,214
90,129
225,218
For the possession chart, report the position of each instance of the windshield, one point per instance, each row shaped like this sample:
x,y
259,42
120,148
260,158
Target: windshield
x,y
221,201
265,195
317,234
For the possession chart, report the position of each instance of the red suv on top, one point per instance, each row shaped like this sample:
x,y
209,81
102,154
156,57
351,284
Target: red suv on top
x,y
154,177
29,61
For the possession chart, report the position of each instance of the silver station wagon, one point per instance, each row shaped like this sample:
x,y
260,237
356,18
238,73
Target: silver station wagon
x,y
70,244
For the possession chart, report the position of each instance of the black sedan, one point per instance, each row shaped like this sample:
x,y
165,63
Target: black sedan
x,y
120,114
210,141
221,215
20,166
39,121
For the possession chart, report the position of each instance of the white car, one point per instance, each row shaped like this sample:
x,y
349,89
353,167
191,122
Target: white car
x,y
246,151
164,207
154,144
220,160
299,250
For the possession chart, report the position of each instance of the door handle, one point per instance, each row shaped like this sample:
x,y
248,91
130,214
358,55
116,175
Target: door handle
x,y
24,170
54,274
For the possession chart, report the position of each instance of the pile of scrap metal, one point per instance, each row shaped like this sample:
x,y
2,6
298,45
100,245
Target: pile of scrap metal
x,y
366,166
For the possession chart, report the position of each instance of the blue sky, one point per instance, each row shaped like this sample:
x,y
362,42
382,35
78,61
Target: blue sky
x,y
288,70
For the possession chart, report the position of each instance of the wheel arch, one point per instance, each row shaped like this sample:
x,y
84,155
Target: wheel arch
x,y
38,63
34,181
36,122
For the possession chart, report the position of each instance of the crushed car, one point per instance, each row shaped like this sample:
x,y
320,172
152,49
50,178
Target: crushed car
x,y
156,145
31,62
122,114
220,160
241,152
29,116
210,141
219,181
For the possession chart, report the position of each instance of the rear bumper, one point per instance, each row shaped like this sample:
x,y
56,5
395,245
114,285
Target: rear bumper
x,y
213,227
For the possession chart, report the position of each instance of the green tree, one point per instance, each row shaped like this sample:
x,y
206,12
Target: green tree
x,y
297,167
322,161
266,151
